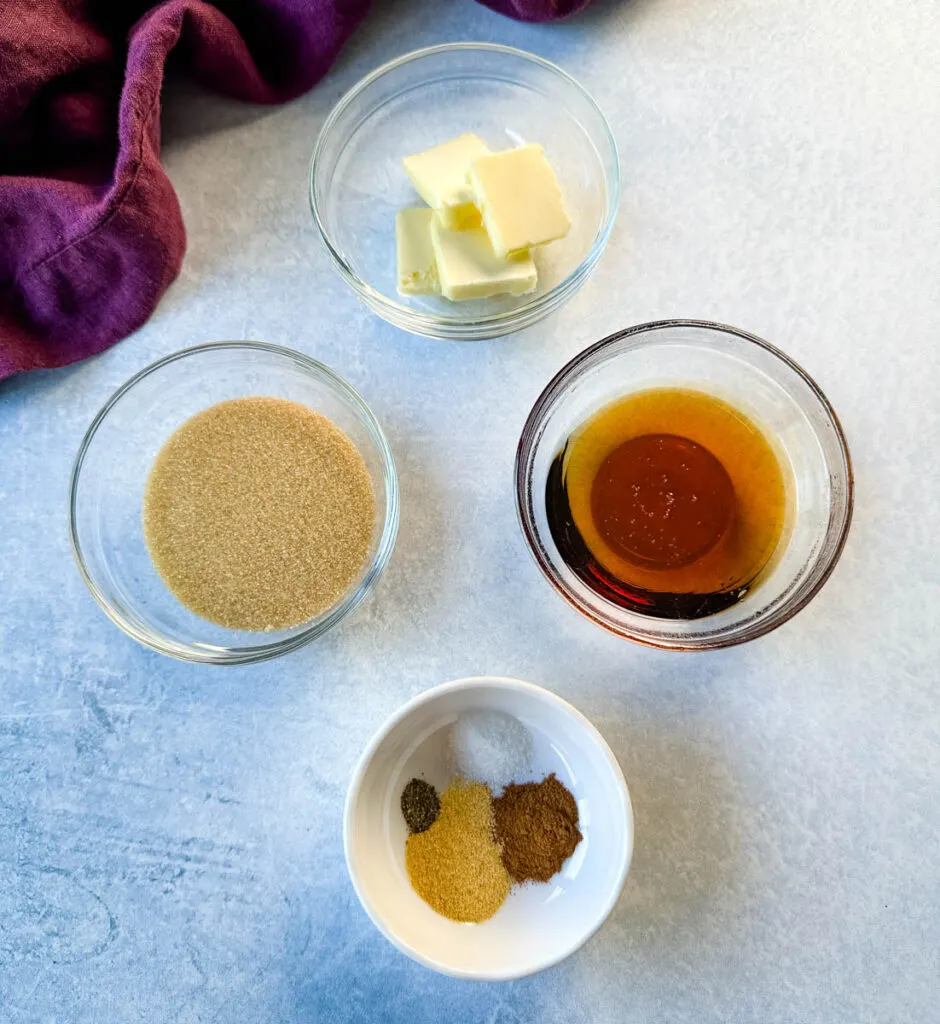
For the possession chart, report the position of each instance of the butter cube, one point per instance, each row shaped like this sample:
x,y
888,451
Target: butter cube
x,y
440,177
519,197
417,267
469,269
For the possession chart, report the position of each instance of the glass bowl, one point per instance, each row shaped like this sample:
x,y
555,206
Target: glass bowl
x,y
115,457
506,96
765,385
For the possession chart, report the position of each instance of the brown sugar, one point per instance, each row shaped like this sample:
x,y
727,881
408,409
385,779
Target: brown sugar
x,y
455,866
258,513
537,828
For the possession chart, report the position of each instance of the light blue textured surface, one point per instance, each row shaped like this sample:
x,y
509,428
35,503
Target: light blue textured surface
x,y
170,845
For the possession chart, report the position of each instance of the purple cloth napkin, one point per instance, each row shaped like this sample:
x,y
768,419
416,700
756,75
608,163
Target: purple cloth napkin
x,y
90,229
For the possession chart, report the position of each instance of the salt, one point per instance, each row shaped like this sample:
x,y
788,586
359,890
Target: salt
x,y
490,747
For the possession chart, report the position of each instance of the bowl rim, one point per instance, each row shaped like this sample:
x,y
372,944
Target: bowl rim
x,y
528,443
453,328
208,653
354,789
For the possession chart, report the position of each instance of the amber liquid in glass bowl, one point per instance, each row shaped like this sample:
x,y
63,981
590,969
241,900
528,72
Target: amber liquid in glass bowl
x,y
669,502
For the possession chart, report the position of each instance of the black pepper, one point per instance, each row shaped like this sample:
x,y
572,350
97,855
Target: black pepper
x,y
420,805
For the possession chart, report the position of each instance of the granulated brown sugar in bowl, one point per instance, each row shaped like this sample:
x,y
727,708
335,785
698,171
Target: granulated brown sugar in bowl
x,y
258,513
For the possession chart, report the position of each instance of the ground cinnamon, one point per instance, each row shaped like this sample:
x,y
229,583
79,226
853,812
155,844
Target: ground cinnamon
x,y
536,826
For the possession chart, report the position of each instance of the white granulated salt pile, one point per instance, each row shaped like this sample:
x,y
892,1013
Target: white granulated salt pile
x,y
490,747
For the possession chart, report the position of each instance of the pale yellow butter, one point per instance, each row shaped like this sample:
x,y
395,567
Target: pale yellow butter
x,y
440,177
417,267
520,199
469,269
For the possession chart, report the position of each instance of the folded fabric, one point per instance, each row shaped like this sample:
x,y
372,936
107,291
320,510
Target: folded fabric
x,y
90,229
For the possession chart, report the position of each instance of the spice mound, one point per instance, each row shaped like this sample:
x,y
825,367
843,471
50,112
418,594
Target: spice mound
x,y
420,805
258,513
537,828
468,848
455,865
490,747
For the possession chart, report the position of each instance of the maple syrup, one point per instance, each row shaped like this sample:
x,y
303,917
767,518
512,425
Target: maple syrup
x,y
669,502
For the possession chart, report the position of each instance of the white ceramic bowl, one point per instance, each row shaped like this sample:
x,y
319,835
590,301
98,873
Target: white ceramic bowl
x,y
538,925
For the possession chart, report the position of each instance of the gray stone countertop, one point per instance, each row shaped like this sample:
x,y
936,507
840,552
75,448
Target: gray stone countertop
x,y
170,835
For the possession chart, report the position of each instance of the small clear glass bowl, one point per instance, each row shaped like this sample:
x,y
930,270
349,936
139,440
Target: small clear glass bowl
x,y
507,97
114,460
763,383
